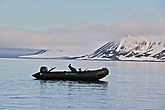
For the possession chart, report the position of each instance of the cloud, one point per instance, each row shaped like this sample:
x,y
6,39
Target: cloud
x,y
83,35
14,37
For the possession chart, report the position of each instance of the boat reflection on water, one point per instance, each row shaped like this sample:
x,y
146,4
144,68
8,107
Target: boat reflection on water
x,y
73,83
73,94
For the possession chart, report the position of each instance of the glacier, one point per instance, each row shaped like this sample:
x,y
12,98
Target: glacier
x,y
18,52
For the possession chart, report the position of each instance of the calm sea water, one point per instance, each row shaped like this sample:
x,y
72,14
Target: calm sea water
x,y
130,86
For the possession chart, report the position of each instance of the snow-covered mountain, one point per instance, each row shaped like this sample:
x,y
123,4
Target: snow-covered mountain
x,y
131,48
128,49
17,52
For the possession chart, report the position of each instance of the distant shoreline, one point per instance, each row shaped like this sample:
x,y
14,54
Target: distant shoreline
x,y
70,58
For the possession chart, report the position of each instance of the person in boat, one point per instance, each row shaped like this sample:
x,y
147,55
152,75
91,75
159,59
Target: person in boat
x,y
44,69
72,68
80,70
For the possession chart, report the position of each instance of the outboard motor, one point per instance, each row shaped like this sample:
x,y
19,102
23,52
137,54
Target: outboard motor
x,y
43,69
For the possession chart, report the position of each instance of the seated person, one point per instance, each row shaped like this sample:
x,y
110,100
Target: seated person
x,y
72,69
80,70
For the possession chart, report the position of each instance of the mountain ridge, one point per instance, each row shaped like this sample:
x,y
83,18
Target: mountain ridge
x,y
131,49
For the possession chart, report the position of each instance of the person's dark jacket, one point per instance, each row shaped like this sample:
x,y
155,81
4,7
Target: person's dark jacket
x,y
72,69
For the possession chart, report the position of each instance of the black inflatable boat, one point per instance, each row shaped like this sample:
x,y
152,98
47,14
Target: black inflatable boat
x,y
88,75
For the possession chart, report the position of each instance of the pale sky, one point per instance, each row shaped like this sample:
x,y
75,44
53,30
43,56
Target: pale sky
x,y
70,23
44,14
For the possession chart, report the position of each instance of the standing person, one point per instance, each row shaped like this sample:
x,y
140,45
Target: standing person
x,y
72,68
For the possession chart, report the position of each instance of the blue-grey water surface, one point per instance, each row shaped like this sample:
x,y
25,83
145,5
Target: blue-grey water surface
x,y
130,86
